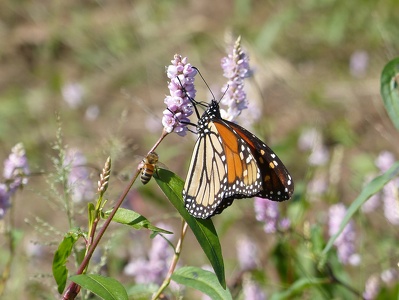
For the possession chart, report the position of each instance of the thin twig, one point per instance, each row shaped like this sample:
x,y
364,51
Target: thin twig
x,y
173,264
73,288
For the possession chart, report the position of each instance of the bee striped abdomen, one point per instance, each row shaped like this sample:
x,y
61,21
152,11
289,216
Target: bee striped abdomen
x,y
148,165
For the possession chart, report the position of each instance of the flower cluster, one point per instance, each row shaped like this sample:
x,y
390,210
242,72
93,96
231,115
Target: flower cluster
x,y
73,94
252,290
79,181
389,194
181,87
267,211
5,196
312,139
376,282
358,64
345,243
235,68
247,254
372,287
154,268
15,174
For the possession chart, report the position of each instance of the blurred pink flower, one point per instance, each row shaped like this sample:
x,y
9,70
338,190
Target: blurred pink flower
x,y
80,185
345,243
267,211
372,287
390,197
92,112
4,199
247,253
358,63
252,290
152,269
316,187
15,173
373,202
72,94
16,167
311,139
390,192
384,161
390,276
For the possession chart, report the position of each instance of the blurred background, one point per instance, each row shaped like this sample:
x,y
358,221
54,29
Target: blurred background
x,y
99,66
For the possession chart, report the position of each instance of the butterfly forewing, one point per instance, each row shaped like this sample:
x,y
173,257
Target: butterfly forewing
x,y
204,189
243,175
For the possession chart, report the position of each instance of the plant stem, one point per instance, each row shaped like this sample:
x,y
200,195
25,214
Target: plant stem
x,y
176,256
344,284
73,288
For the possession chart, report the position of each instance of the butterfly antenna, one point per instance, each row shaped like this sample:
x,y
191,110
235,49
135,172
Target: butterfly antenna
x,y
224,93
183,122
192,100
213,96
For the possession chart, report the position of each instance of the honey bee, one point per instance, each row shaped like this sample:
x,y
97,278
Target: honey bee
x,y
147,167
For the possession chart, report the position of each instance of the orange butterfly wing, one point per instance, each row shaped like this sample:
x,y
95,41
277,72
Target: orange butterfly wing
x,y
277,183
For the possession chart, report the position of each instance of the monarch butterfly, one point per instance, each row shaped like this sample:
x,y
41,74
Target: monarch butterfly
x,y
230,163
147,167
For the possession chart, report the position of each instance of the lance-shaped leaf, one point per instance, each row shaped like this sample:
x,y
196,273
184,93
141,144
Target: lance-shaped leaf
x,y
203,230
105,287
133,219
201,280
369,190
60,272
390,90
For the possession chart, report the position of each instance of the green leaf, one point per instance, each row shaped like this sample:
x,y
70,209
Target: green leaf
x,y
203,230
203,281
142,291
298,287
105,287
91,211
60,272
369,190
317,239
133,219
389,90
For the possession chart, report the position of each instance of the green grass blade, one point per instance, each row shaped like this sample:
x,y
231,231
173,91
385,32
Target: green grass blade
x,y
298,287
369,190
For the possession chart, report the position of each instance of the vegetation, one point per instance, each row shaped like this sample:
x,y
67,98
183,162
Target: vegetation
x,y
81,81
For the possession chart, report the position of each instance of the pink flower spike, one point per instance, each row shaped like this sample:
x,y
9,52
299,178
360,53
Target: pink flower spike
x,y
181,89
345,242
235,68
16,168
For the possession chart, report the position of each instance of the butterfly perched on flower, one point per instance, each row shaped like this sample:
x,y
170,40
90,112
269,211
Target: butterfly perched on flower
x,y
230,163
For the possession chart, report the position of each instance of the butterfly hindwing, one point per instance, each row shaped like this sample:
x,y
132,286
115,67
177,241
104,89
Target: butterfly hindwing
x,y
277,183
